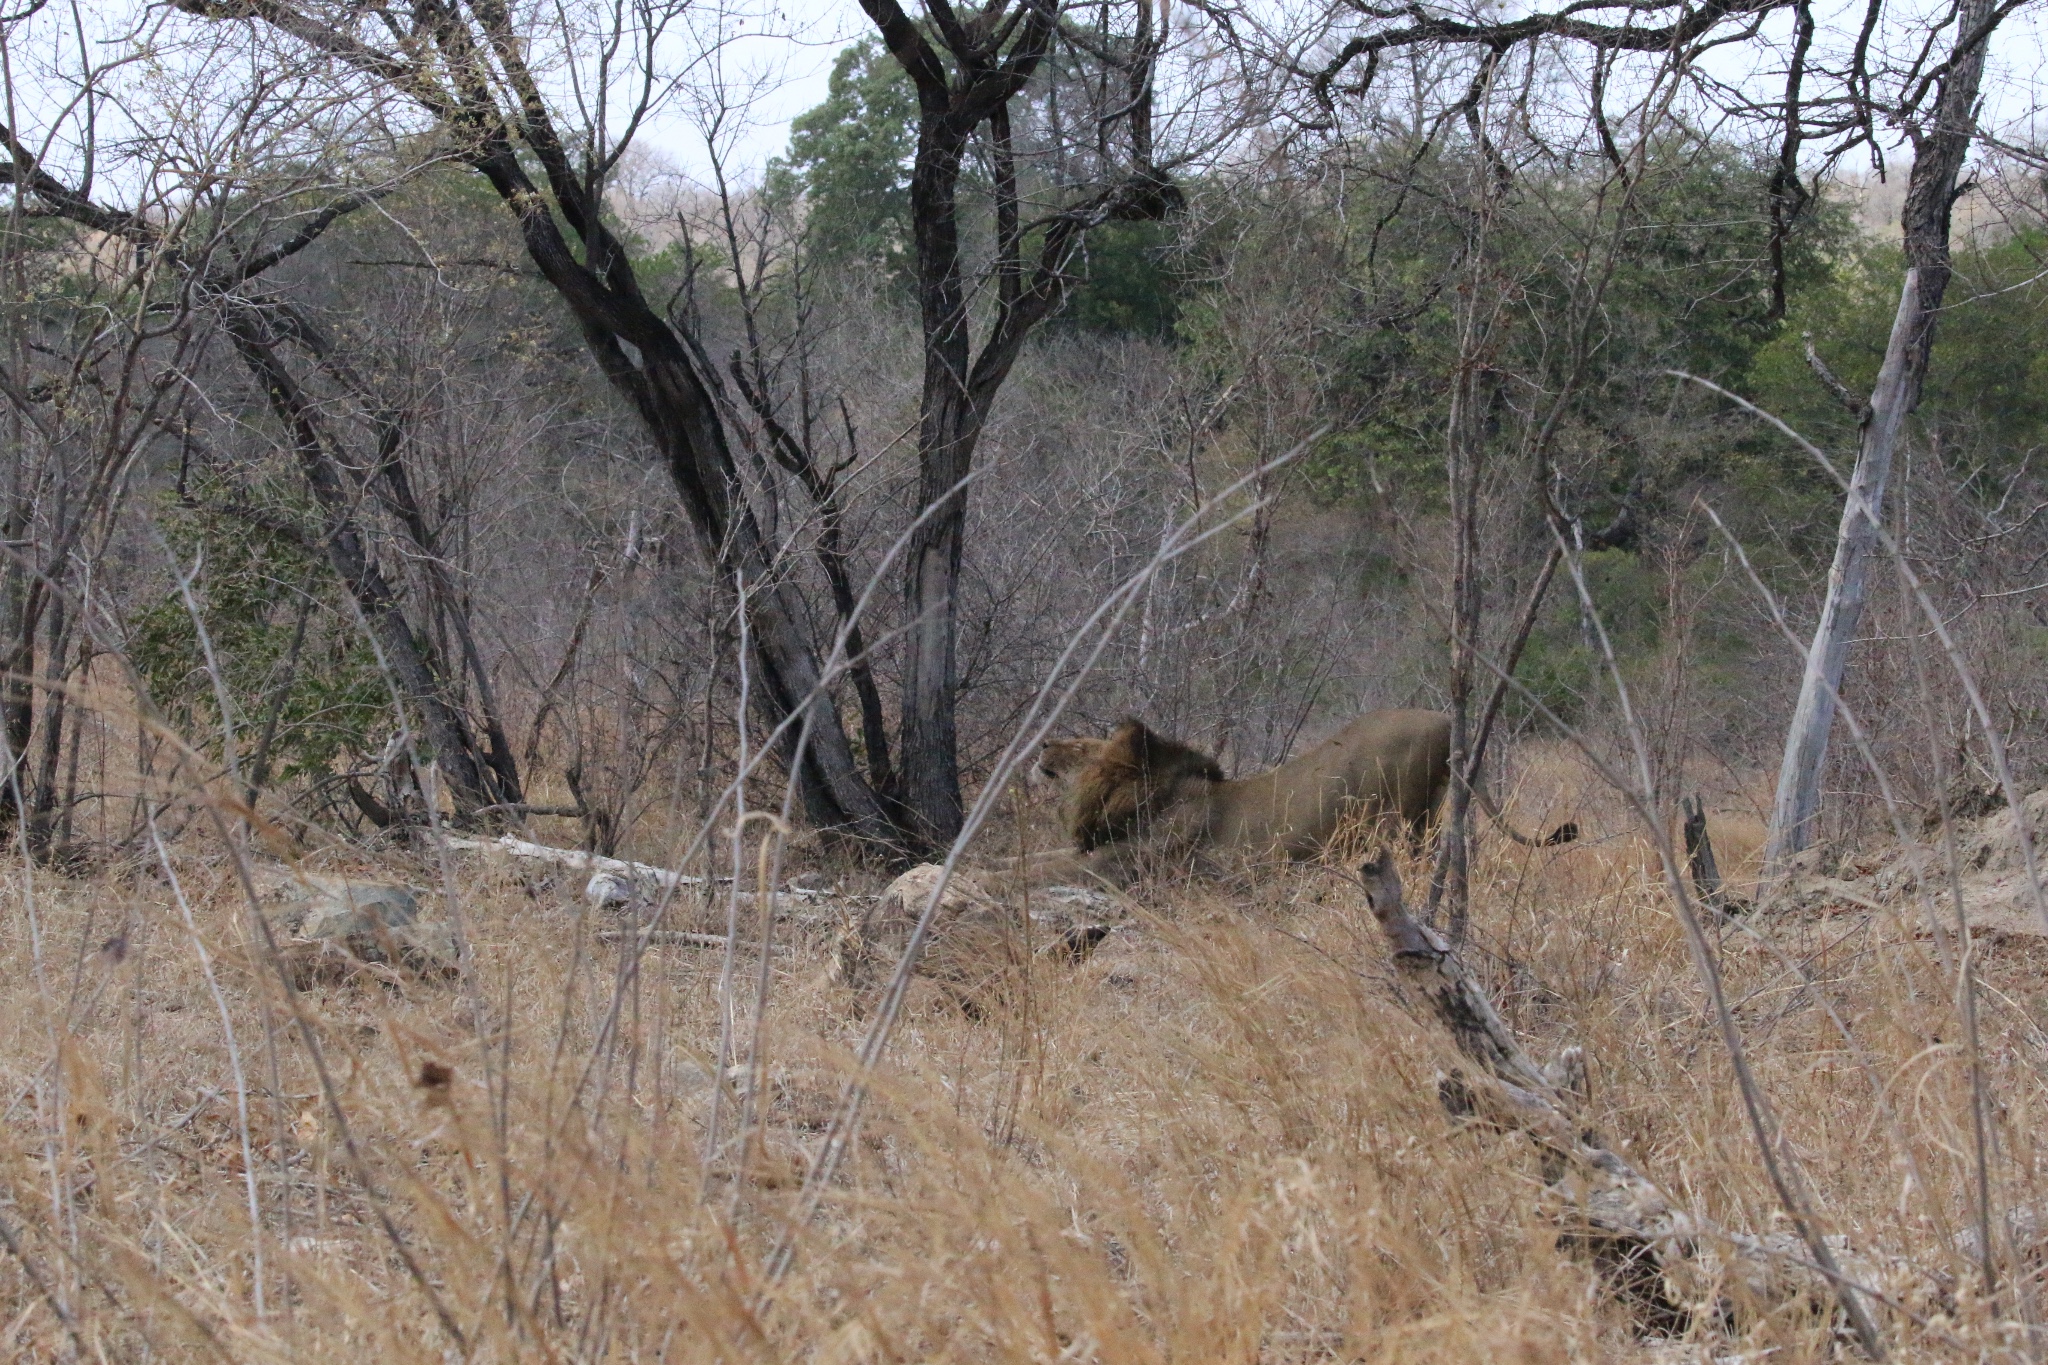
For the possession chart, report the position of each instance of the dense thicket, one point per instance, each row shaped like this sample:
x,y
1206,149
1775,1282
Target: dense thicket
x,y
406,382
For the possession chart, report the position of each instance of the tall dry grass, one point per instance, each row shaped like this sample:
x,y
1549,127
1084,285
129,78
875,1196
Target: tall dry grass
x,y
1217,1140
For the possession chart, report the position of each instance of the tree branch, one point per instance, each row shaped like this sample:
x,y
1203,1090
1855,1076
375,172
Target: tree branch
x,y
1563,23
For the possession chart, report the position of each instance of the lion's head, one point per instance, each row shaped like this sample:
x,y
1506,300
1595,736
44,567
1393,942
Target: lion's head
x,y
1133,777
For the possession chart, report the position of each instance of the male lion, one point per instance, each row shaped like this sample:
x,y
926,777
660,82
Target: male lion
x,y
1121,784
1137,793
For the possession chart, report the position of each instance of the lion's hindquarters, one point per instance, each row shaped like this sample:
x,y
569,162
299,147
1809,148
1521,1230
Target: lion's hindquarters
x,y
1384,766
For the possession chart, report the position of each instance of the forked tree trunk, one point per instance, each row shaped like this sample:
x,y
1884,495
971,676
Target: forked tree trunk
x,y
966,75
656,371
465,63
1924,224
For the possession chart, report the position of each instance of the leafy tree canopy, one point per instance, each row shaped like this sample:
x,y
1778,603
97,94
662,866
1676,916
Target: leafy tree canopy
x,y
1985,404
850,159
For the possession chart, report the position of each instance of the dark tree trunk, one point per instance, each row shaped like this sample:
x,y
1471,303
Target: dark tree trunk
x,y
39,829
992,61
22,597
392,482
652,368
874,724
1452,884
948,427
455,747
17,700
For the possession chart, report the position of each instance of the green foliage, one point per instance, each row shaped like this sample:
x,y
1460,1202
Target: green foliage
x,y
1986,397
850,159
1673,277
1128,281
1683,285
251,589
1563,663
1644,613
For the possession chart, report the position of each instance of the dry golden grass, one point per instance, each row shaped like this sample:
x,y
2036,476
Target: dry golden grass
x,y
1217,1140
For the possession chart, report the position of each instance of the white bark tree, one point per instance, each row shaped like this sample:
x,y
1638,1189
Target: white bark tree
x,y
1940,144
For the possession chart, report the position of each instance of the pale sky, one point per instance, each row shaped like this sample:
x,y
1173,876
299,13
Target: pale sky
x,y
779,54
786,50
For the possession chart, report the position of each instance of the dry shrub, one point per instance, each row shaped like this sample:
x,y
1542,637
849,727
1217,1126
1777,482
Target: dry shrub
x,y
1216,1140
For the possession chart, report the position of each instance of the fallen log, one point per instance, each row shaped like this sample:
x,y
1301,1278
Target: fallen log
x,y
681,936
593,863
1672,1267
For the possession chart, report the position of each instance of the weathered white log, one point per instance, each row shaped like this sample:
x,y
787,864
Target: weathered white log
x,y
1924,225
1806,745
595,863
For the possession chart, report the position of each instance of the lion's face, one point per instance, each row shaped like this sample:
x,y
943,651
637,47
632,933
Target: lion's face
x,y
1059,758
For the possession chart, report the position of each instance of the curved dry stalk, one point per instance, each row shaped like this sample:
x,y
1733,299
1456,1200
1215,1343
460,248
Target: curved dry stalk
x,y
219,807
723,1056
235,1069
1994,742
1958,968
767,852
60,1207
768,862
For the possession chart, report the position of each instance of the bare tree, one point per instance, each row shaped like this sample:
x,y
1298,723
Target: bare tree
x,y
1938,110
1464,102
1100,167
1816,105
480,769
469,71
95,339
215,276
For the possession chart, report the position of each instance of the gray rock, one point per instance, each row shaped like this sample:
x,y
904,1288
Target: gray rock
x,y
976,935
613,891
336,907
370,922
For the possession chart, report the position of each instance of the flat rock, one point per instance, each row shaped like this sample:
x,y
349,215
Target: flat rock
x,y
334,922
617,890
